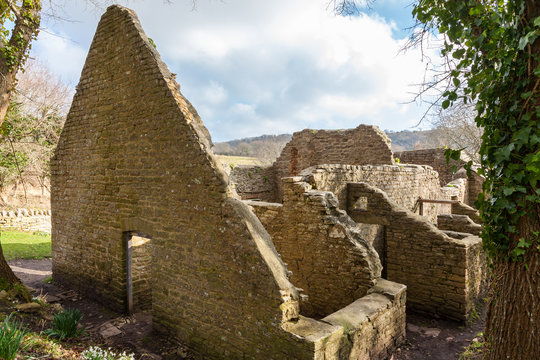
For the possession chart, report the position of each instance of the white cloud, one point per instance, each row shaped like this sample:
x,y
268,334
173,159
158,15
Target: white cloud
x,y
254,66
60,54
214,93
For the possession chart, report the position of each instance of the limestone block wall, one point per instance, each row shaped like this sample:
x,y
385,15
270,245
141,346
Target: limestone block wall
x,y
457,189
475,187
26,220
404,184
363,145
370,328
125,166
373,333
444,275
321,246
432,157
464,209
436,159
459,223
254,182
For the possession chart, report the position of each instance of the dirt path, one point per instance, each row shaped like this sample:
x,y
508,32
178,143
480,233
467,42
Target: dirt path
x,y
427,338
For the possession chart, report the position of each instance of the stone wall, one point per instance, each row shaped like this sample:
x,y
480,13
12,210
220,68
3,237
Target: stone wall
x,y
404,184
432,157
254,182
123,166
363,145
308,231
459,223
444,275
436,159
26,220
475,187
464,209
457,189
322,247
370,328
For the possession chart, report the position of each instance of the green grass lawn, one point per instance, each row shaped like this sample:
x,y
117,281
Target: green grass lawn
x,y
25,245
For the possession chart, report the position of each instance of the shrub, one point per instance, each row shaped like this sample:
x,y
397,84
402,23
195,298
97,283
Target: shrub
x,y
95,353
65,324
11,337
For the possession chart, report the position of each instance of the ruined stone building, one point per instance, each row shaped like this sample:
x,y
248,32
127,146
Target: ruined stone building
x,y
144,217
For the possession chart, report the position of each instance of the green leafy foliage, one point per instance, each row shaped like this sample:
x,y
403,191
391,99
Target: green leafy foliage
x,y
490,43
12,335
65,324
16,23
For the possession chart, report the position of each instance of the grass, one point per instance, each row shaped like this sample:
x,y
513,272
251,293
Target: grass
x,y
474,350
11,338
65,324
25,245
241,160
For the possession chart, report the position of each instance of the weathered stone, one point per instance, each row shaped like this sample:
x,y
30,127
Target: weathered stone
x,y
109,330
26,220
437,160
28,307
424,258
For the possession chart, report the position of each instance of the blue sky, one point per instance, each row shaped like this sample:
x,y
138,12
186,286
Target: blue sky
x,y
253,67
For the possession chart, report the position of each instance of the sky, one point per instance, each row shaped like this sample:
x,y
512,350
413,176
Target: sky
x,y
254,67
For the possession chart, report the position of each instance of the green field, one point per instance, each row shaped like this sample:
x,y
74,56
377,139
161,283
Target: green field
x,y
25,245
241,160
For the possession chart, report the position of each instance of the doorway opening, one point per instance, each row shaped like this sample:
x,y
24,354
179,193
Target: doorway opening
x,y
138,271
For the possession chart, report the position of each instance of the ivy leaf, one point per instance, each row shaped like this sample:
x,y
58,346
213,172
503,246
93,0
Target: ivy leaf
x,y
508,191
528,39
445,104
458,54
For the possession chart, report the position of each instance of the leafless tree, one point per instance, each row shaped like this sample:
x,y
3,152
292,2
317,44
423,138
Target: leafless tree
x,y
457,130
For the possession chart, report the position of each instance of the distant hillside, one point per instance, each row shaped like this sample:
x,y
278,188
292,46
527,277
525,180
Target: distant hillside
x,y
413,140
268,147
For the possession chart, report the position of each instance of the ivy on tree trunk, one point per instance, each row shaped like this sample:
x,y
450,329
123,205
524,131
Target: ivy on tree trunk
x,y
24,16
493,50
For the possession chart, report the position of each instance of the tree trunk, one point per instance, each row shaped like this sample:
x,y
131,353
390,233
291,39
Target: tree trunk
x,y
5,270
6,85
26,27
513,316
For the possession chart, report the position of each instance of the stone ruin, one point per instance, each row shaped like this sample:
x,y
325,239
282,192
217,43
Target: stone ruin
x,y
145,218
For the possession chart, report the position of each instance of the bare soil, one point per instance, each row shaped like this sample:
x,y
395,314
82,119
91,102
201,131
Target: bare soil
x,y
427,338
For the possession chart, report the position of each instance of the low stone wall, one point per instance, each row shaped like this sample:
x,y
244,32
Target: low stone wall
x,y
464,209
432,157
459,223
404,184
444,275
322,247
254,182
457,189
26,220
371,328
